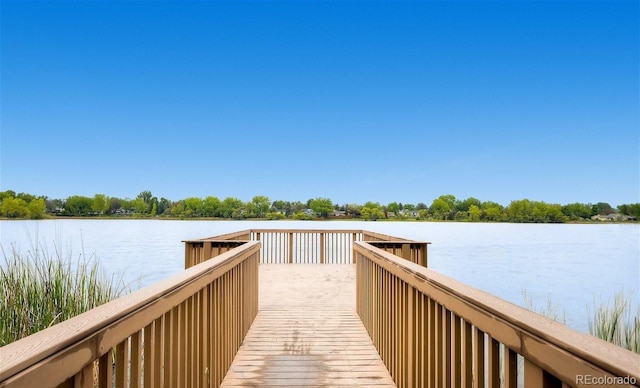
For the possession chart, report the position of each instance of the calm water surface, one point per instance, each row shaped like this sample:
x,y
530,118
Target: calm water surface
x,y
573,265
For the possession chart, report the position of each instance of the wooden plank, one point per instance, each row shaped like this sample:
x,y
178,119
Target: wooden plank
x,y
307,332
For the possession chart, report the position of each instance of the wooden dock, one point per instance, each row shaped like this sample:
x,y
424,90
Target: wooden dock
x,y
298,308
307,332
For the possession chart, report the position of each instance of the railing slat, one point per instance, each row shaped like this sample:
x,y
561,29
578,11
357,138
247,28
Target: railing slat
x,y
447,369
433,340
135,372
510,368
479,358
121,364
457,352
493,359
105,374
533,375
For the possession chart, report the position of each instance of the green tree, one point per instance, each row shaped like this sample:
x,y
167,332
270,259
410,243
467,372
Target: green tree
x,y
353,210
450,199
474,213
78,205
631,209
176,209
139,206
115,204
14,207
275,216
211,206
37,208
372,211
394,208
301,216
554,213
100,204
279,206
602,208
297,206
153,206
126,205
492,211
520,211
577,211
259,206
26,197
146,197
229,205
193,207
423,214
466,204
544,212
164,206
322,206
440,208
7,194
411,207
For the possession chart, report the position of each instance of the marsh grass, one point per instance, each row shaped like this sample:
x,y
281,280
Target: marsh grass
x,y
548,309
611,320
39,289
614,322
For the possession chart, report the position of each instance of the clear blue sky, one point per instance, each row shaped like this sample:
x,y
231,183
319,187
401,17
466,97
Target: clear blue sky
x,y
355,101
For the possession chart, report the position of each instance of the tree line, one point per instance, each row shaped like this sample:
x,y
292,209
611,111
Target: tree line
x,y
444,208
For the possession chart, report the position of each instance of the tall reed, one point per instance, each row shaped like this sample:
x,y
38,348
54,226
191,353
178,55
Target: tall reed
x,y
39,289
612,321
549,309
615,323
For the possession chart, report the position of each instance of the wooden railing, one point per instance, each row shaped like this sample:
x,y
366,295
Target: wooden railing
x,y
432,331
180,332
304,246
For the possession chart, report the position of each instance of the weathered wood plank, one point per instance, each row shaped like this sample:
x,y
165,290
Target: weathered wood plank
x,y
307,333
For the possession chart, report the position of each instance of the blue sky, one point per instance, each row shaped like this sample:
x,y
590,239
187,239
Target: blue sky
x,y
355,101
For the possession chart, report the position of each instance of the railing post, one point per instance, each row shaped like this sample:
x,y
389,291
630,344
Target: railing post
x,y
423,254
406,251
411,328
187,255
290,248
353,247
321,247
207,248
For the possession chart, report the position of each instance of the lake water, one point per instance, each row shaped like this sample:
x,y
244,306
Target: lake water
x,y
575,266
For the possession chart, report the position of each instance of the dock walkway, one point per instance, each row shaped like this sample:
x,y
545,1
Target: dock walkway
x,y
307,332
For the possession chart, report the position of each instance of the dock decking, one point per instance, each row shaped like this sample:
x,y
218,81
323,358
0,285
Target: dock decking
x,y
307,332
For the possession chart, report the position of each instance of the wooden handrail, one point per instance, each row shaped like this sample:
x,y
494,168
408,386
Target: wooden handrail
x,y
164,314
374,236
427,317
302,246
239,235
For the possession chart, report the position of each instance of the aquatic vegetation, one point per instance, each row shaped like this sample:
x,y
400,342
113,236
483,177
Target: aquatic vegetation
x,y
614,322
38,289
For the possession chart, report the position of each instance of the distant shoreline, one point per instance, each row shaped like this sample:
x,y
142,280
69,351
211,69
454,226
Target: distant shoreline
x,y
332,219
